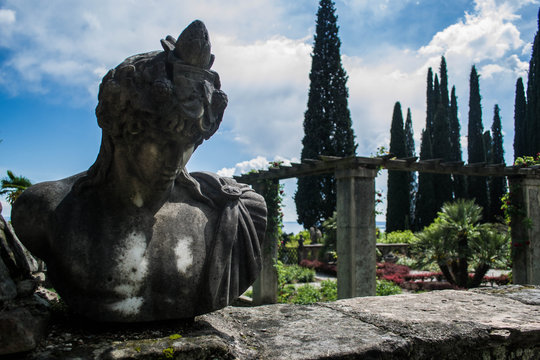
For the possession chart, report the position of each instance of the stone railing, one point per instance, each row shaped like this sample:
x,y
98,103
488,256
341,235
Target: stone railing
x,y
492,323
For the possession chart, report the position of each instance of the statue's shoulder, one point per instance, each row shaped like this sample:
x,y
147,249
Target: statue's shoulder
x,y
33,209
45,196
221,189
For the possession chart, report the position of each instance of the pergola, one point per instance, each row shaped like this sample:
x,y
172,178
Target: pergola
x,y
356,238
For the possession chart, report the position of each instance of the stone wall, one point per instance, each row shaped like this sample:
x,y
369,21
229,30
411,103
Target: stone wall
x,y
492,323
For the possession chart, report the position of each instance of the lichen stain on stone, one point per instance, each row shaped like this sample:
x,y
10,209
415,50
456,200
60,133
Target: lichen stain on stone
x,y
129,306
132,268
138,200
184,255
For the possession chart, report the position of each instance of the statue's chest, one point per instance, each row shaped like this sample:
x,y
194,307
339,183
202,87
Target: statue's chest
x,y
179,239
133,257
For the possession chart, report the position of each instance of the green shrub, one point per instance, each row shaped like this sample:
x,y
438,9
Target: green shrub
x,y
457,241
306,294
407,261
385,287
286,293
329,290
293,240
290,274
398,237
329,238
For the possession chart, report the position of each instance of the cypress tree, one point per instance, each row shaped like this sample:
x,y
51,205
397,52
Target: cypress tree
x,y
487,141
497,185
410,152
533,97
477,185
443,73
424,202
425,209
327,120
398,204
488,148
430,101
409,135
441,147
459,183
441,150
435,102
520,128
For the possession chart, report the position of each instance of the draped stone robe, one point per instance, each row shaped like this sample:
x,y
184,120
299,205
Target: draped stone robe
x,y
196,254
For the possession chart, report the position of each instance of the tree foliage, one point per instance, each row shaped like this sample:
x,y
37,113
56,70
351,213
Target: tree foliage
x,y
410,152
430,102
533,98
457,240
13,186
425,209
398,206
497,185
477,185
459,185
520,125
327,120
441,150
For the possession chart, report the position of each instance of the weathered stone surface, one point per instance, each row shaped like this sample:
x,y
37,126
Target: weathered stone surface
x,y
302,332
23,323
443,325
437,325
8,288
526,294
136,238
197,347
16,265
456,323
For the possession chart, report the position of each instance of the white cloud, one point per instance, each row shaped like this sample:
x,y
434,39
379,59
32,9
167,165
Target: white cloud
x,y
100,34
376,9
7,17
487,71
375,87
258,163
266,82
486,35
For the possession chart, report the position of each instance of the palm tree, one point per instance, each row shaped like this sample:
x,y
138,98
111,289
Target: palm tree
x,y
13,186
456,241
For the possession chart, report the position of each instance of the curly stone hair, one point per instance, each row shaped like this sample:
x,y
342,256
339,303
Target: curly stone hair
x,y
169,91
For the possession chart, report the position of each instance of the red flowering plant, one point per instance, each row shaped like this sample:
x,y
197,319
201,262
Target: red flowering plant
x,y
392,272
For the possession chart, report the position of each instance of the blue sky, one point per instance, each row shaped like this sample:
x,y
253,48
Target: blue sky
x,y
54,53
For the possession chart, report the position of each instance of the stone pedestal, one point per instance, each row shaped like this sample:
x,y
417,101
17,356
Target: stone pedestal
x,y
526,230
356,232
265,287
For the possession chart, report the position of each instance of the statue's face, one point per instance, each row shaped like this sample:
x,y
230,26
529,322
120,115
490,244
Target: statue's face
x,y
156,160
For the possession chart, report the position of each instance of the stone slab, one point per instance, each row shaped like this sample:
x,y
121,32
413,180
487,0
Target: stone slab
x,y
498,323
302,332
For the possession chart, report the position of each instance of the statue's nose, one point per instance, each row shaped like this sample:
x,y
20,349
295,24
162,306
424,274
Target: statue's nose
x,y
173,155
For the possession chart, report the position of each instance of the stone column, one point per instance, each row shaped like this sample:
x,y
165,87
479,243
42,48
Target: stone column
x,y
356,238
265,287
525,227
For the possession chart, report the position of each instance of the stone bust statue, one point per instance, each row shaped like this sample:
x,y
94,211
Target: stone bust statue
x,y
137,238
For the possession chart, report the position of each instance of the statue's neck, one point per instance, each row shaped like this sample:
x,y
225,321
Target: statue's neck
x,y
131,192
